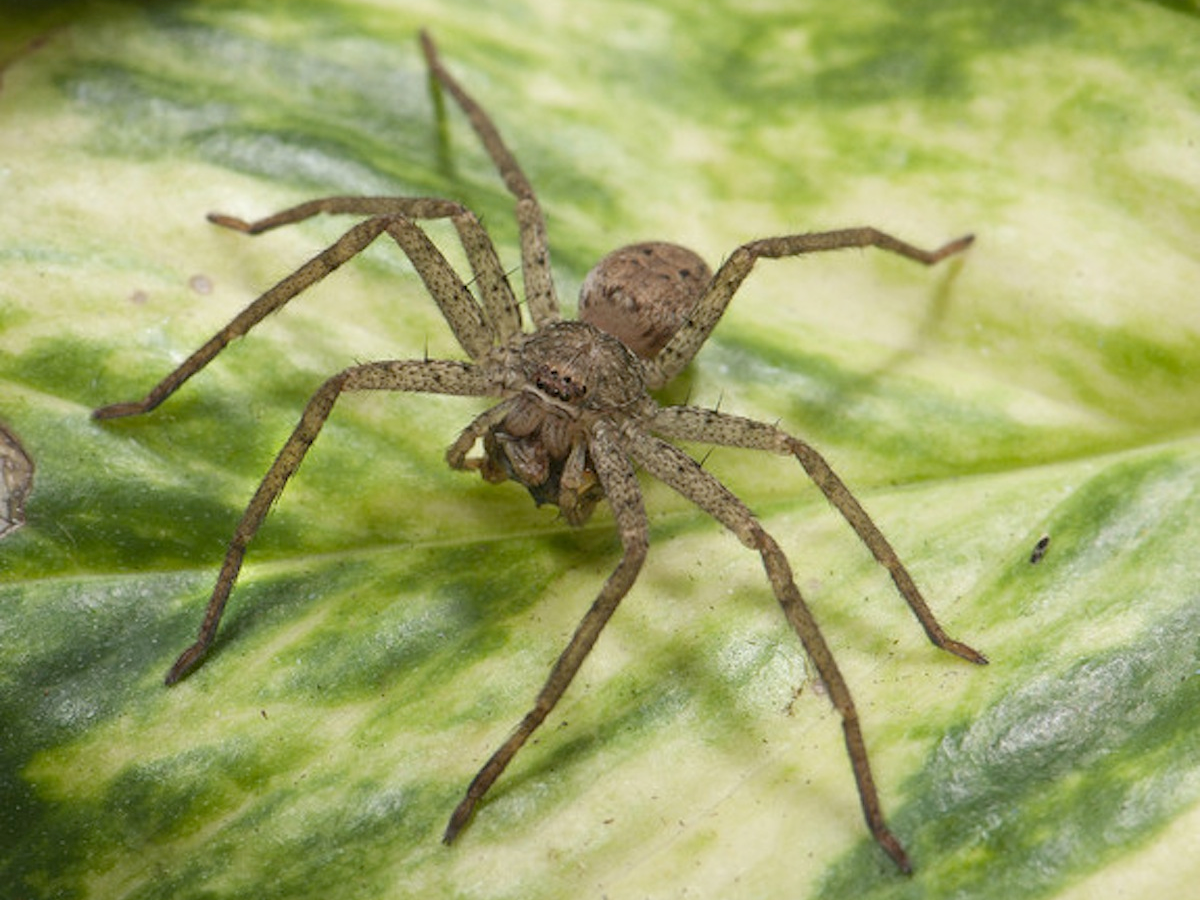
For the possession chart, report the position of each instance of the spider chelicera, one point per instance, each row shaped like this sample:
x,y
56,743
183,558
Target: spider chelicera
x,y
574,418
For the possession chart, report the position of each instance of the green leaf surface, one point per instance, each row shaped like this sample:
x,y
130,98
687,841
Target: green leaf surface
x,y
395,618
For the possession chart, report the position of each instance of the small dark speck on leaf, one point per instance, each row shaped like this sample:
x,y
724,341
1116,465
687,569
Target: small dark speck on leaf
x,y
1039,549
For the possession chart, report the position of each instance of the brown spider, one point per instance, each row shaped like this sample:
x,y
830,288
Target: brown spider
x,y
574,415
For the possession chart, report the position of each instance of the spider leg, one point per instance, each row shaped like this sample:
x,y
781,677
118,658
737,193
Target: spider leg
x,y
679,471
447,289
458,307
703,318
456,455
691,423
431,376
625,497
535,251
499,303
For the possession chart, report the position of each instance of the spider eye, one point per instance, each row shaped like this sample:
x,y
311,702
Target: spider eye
x,y
559,384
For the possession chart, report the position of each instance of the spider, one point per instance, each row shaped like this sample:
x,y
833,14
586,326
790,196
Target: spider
x,y
574,415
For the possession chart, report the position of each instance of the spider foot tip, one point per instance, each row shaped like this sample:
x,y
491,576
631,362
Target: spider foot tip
x,y
188,660
956,246
970,654
893,848
232,222
116,411
458,821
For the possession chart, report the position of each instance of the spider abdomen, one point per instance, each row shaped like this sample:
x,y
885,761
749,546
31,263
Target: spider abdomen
x,y
642,293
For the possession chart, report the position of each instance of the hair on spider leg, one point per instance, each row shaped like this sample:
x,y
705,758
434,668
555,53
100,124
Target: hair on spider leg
x,y
572,416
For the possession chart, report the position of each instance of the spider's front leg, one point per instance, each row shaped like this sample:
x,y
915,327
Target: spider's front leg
x,y
431,376
625,497
536,273
679,471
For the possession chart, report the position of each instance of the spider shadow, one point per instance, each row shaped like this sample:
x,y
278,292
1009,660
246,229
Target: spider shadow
x,y
441,130
617,717
625,719
831,404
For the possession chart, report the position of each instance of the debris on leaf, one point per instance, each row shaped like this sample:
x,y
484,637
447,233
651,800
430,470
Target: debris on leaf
x,y
16,481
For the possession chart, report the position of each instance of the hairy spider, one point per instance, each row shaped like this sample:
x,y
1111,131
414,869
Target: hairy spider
x,y
574,416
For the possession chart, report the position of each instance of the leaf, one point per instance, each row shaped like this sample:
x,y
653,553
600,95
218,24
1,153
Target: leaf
x,y
395,618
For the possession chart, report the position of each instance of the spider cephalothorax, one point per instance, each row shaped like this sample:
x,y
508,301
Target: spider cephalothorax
x,y
573,417
573,372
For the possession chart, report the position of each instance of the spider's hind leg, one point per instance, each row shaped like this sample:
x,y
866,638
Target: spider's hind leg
x,y
701,321
535,251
